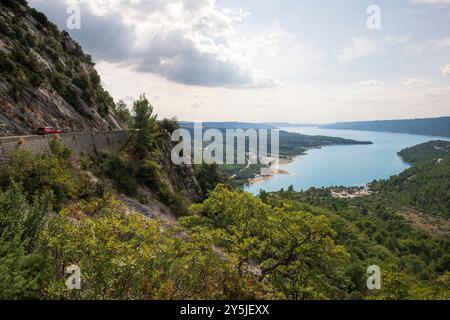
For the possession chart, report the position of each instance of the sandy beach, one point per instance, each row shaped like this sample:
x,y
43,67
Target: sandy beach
x,y
274,171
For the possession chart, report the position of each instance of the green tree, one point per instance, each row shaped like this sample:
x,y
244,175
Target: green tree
x,y
209,176
39,174
124,114
124,255
395,285
22,271
145,123
293,252
170,125
22,275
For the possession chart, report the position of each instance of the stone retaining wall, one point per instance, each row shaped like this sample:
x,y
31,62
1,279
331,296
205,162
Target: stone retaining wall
x,y
78,142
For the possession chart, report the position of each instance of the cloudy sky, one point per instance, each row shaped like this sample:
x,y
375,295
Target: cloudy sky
x,y
264,60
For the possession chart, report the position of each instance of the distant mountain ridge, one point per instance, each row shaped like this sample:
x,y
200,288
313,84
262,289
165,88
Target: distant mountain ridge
x,y
229,125
428,127
289,124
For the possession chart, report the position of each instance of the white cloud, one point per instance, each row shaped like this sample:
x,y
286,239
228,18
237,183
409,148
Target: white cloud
x,y
431,1
398,39
192,42
360,47
446,71
159,46
411,82
369,83
441,43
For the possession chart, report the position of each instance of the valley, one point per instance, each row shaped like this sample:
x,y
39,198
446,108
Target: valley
x,y
100,198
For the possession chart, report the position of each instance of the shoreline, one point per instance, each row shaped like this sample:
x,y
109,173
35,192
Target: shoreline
x,y
274,172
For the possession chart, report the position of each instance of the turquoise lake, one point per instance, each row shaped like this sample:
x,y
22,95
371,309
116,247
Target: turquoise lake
x,y
355,165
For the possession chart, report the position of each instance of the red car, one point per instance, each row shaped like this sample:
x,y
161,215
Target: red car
x,y
47,130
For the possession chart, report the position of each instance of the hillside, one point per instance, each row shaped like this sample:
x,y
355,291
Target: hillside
x,y
229,125
425,186
45,78
283,245
140,227
431,150
414,262
291,144
429,127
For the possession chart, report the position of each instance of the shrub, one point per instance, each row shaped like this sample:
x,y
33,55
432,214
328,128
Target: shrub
x,y
126,256
82,81
7,66
22,275
40,17
117,168
22,272
59,150
39,175
14,4
95,78
124,114
149,172
170,125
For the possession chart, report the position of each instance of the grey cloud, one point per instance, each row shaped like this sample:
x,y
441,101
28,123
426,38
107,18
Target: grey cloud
x,y
170,54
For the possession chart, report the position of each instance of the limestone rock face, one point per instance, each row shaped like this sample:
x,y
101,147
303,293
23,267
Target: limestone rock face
x,y
182,178
46,79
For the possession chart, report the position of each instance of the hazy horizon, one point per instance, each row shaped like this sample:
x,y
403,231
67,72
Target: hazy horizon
x,y
260,61
311,123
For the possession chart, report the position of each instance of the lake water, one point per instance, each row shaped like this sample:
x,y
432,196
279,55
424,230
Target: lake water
x,y
354,165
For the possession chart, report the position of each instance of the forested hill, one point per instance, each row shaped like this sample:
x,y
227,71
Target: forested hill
x,y
429,127
229,125
291,143
425,186
426,151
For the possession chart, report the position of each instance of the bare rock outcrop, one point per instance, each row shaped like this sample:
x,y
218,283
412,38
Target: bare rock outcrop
x,y
45,77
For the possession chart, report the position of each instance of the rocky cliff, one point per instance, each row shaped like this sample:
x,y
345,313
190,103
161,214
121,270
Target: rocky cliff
x,y
182,178
45,78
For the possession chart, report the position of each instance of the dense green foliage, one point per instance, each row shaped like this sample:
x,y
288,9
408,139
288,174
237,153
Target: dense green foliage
x,y
139,166
170,125
208,176
285,245
124,114
122,255
281,245
293,253
117,168
431,150
438,127
39,175
373,233
146,124
424,186
125,256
